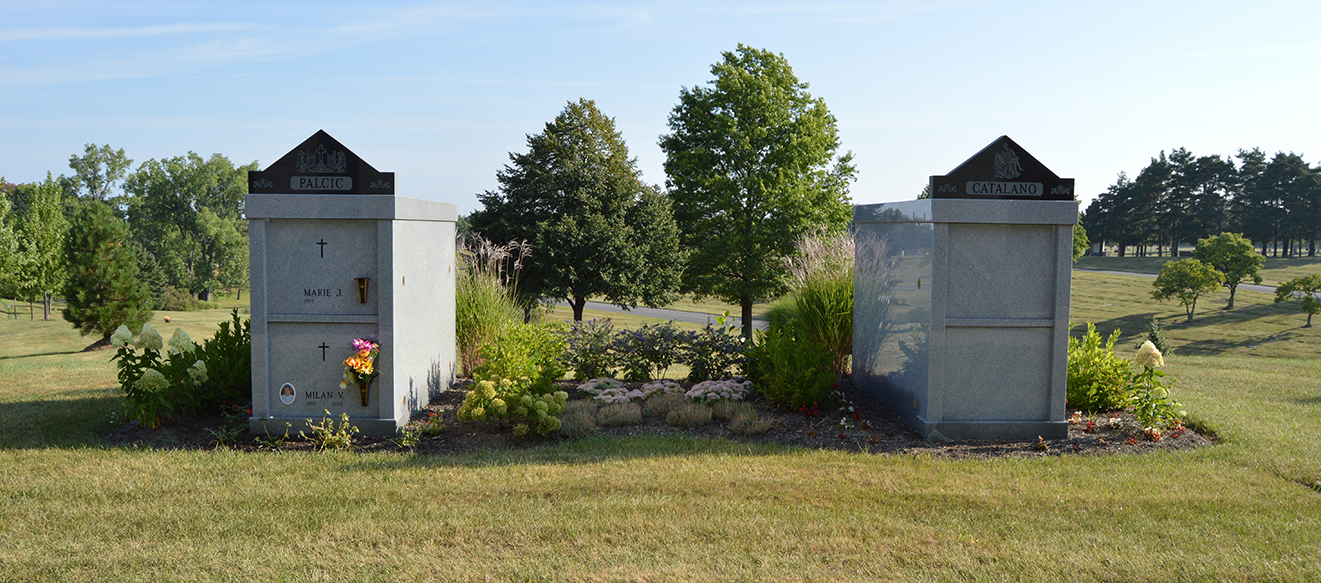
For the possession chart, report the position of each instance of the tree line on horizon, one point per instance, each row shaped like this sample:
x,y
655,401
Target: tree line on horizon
x,y
171,230
1182,198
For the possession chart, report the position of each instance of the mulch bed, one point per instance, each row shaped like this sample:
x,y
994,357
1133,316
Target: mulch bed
x,y
870,428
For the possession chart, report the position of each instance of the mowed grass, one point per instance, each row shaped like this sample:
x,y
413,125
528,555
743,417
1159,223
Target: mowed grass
x,y
1274,271
670,509
1257,326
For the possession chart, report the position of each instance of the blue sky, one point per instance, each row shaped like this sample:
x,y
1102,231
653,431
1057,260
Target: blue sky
x,y
441,92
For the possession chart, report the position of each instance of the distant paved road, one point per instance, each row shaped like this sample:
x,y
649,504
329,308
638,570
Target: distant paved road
x,y
665,314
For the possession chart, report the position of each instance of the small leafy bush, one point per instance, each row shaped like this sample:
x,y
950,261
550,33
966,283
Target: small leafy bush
x,y
619,414
689,414
648,352
791,370
714,351
178,300
533,351
516,403
1098,380
228,358
661,404
589,353
325,435
1155,337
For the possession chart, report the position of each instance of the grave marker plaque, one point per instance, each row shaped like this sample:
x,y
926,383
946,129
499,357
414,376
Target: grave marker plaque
x,y
336,256
981,350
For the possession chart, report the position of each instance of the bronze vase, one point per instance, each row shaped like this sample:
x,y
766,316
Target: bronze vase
x,y
362,391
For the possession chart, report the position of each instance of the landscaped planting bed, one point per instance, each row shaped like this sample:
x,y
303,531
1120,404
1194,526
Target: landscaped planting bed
x,y
867,428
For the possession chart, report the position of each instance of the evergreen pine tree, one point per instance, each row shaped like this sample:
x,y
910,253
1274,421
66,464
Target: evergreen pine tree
x,y
152,275
102,288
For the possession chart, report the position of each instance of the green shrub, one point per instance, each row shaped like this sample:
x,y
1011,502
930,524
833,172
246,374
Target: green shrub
x,y
689,414
648,352
791,370
228,358
589,353
178,300
526,350
187,378
714,351
1155,337
1098,380
513,402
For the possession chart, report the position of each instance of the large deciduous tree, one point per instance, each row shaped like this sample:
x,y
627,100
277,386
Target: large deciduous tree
x,y
752,167
1186,280
1232,255
188,213
8,243
103,290
40,245
97,171
595,227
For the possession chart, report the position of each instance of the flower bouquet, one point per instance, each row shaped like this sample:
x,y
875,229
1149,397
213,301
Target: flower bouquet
x,y
360,368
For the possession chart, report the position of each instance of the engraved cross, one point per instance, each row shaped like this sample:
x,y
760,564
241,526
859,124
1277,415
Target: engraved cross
x,y
322,243
323,348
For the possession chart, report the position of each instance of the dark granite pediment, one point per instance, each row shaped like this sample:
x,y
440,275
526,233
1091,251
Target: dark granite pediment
x,y
320,165
1002,170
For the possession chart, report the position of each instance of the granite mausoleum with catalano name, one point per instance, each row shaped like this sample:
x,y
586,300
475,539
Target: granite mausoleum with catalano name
x,y
961,301
336,256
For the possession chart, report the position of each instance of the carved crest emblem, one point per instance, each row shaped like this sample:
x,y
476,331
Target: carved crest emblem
x,y
321,163
1006,164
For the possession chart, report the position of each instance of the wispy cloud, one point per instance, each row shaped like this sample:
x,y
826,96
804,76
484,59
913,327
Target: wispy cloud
x,y
88,33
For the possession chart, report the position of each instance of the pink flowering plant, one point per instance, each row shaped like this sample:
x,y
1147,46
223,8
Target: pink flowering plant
x,y
361,367
723,390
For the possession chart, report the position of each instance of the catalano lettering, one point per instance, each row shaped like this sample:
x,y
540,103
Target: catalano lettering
x,y
321,182
1006,188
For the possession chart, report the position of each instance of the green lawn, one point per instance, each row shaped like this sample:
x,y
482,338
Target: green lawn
x,y
658,509
1274,272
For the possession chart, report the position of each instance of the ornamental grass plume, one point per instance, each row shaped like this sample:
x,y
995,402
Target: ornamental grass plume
x,y
1148,356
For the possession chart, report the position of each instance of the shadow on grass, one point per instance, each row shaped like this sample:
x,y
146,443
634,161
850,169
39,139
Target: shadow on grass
x,y
587,450
36,354
1309,400
71,422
